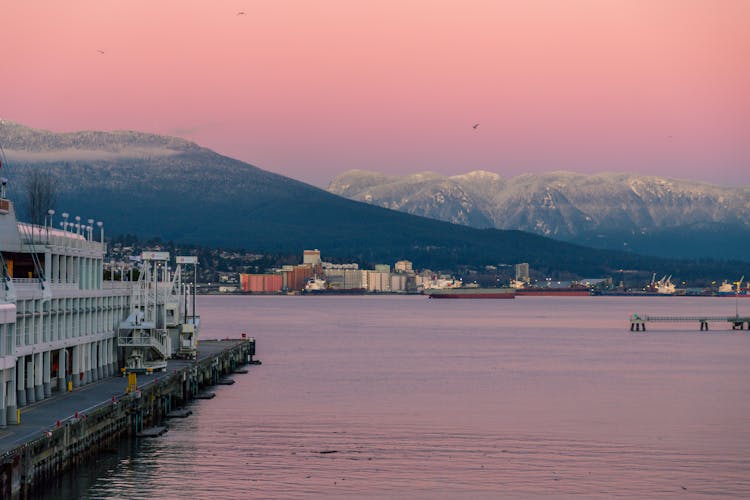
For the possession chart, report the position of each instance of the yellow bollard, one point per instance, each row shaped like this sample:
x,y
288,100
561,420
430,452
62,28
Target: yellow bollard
x,y
132,383
18,416
70,386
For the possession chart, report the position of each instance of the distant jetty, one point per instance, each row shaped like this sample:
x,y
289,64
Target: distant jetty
x,y
638,321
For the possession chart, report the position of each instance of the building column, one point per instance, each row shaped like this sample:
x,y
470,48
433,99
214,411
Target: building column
x,y
92,363
76,373
85,353
99,360
11,413
108,357
105,357
30,396
47,373
92,366
62,368
3,401
115,357
21,381
38,376
111,343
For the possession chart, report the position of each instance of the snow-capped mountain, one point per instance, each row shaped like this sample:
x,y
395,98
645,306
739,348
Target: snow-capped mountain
x,y
609,210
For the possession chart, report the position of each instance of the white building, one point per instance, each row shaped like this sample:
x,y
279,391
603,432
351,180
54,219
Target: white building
x,y
62,326
378,281
337,267
58,318
347,279
404,266
311,257
398,282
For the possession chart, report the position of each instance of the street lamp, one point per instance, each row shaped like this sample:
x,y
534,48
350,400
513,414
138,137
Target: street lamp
x,y
101,229
65,216
48,222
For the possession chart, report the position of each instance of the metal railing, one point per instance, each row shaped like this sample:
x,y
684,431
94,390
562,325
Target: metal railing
x,y
143,339
694,318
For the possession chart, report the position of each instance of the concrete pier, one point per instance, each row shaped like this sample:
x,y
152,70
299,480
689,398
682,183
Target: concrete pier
x,y
737,322
65,429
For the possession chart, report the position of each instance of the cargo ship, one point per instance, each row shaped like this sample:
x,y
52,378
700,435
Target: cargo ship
x,y
572,291
471,293
733,289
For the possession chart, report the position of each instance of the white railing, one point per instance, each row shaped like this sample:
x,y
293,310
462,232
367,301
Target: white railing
x,y
145,339
21,281
33,235
117,285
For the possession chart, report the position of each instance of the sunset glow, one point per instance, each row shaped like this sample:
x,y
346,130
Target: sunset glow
x,y
310,89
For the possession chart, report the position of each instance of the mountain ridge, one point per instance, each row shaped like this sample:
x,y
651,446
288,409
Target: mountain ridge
x,y
572,207
199,196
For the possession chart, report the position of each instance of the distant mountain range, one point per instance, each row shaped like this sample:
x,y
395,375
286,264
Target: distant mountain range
x,y
646,214
156,186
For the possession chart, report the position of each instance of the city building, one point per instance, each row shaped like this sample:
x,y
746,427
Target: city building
x,y
294,278
522,272
347,279
311,257
58,317
63,326
261,283
403,266
378,281
337,267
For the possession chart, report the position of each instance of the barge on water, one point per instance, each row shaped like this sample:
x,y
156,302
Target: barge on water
x,y
553,292
471,293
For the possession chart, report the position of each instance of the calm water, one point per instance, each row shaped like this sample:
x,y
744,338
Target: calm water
x,y
538,396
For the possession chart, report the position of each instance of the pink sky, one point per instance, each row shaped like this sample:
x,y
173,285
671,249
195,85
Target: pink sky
x,y
310,88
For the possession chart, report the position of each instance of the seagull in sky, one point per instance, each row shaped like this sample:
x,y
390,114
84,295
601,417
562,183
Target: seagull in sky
x,y
475,126
100,51
240,13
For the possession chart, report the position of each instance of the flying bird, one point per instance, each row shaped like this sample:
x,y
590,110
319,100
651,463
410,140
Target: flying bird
x,y
240,13
100,51
475,126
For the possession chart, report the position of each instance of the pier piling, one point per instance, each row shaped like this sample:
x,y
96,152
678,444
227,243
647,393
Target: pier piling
x,y
27,461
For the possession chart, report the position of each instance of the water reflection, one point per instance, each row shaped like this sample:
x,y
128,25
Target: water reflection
x,y
394,397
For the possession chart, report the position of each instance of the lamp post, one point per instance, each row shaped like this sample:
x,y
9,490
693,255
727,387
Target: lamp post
x,y
65,216
90,227
48,222
100,224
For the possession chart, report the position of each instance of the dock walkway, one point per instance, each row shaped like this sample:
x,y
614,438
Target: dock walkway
x,y
737,322
40,417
